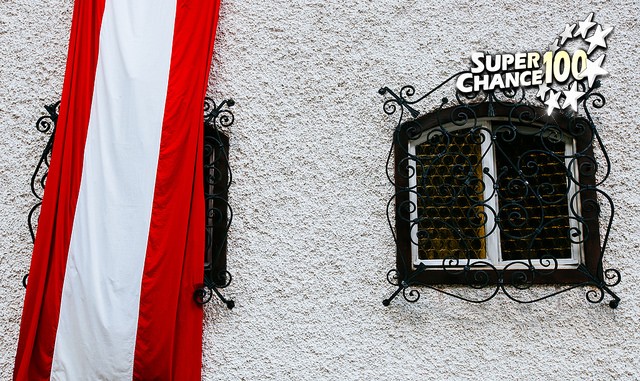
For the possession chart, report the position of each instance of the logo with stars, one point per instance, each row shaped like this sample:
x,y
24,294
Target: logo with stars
x,y
585,32
562,75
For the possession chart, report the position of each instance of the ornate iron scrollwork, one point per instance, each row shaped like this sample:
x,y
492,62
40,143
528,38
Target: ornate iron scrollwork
x,y
46,124
217,179
484,279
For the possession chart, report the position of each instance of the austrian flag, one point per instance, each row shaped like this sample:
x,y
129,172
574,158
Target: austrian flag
x,y
120,242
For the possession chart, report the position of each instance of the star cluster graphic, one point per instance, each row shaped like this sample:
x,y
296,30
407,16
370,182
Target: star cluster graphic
x,y
588,32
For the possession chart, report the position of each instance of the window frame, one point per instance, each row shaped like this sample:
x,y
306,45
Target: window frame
x,y
436,273
217,180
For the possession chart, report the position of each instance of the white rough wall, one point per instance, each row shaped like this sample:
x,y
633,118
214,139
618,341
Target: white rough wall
x,y
309,246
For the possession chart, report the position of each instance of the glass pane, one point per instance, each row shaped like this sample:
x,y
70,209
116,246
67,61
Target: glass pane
x,y
532,179
450,222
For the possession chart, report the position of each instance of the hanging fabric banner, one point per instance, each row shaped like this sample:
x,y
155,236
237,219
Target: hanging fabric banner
x,y
120,241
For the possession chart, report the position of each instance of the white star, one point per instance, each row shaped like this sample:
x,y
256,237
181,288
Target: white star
x,y
567,33
552,102
553,47
542,91
593,69
584,26
571,97
597,38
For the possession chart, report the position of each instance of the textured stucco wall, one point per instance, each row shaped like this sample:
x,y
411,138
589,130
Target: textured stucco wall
x,y
309,247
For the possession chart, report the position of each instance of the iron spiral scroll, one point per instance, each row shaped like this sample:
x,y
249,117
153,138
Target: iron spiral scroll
x,y
591,209
217,179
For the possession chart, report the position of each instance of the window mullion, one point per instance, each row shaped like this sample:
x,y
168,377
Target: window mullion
x,y
492,241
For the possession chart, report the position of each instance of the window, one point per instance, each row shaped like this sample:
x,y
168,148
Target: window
x,y
217,179
218,213
496,186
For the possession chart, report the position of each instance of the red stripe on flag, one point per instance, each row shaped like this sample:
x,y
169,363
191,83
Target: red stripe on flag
x,y
169,336
46,276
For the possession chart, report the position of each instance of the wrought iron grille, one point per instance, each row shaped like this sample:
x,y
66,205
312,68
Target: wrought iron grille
x,y
218,213
217,180
493,194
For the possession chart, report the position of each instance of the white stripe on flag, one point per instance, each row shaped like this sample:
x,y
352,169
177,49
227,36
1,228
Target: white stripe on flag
x,y
100,298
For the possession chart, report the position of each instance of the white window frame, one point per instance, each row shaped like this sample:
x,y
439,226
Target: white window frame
x,y
492,242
